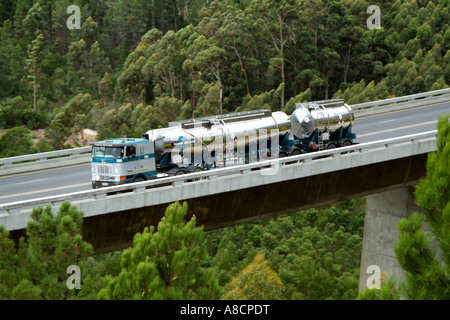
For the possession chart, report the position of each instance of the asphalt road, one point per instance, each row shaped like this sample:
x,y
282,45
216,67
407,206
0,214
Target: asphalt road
x,y
38,184
399,123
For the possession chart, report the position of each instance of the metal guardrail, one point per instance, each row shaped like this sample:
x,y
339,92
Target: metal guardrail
x,y
39,161
73,156
401,103
267,168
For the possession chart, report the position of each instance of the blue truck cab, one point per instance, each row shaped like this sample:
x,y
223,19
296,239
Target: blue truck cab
x,y
119,161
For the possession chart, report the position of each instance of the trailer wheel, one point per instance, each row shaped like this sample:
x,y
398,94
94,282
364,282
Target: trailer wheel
x,y
346,143
175,172
296,152
193,170
331,146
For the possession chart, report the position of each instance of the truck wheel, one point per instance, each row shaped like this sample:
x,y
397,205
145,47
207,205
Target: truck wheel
x,y
347,143
331,146
196,169
139,179
295,152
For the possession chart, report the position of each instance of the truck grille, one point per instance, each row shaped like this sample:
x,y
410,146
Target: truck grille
x,y
104,171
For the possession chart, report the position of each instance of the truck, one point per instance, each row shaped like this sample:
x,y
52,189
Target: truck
x,y
212,142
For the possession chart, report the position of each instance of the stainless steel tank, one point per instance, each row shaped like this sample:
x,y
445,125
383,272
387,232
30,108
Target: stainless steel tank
x,y
239,128
323,115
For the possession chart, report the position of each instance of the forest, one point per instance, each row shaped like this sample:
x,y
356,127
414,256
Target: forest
x,y
310,255
135,65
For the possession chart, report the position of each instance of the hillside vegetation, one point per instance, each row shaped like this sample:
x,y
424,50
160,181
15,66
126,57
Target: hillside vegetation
x,y
134,65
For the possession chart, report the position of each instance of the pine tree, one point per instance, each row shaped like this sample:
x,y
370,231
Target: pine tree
x,y
37,268
165,263
32,65
427,268
34,20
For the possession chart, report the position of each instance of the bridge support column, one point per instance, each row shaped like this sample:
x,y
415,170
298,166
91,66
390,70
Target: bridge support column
x,y
383,212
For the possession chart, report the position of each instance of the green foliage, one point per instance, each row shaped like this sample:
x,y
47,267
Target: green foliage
x,y
15,142
427,264
256,282
32,65
316,253
132,122
168,109
165,263
211,57
313,254
37,268
387,291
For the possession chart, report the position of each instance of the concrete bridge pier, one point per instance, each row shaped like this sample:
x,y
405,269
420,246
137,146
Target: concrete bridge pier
x,y
383,212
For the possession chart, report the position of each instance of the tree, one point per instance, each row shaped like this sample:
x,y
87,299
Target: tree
x,y
12,62
427,272
89,31
168,109
256,282
210,59
32,65
37,268
164,66
34,20
76,114
88,65
130,84
209,103
59,25
278,19
15,142
165,263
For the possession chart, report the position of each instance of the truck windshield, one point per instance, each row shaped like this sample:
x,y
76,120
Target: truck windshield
x,y
107,152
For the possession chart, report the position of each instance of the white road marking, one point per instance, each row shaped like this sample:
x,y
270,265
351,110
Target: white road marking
x,y
32,181
45,190
395,129
386,121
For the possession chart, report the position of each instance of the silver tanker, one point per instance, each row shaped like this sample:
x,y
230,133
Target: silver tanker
x,y
201,144
229,131
331,119
325,117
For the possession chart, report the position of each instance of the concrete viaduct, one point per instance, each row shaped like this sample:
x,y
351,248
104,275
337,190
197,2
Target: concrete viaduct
x,y
383,171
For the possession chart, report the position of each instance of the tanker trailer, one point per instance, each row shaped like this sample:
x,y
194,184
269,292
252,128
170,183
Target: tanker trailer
x,y
222,140
197,144
321,125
